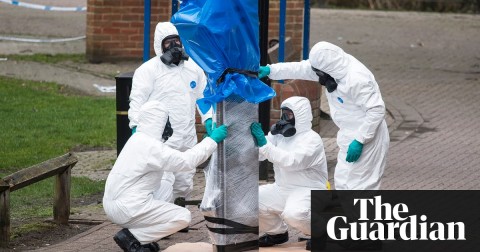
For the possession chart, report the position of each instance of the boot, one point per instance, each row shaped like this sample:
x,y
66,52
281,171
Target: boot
x,y
270,240
180,201
309,245
127,242
152,247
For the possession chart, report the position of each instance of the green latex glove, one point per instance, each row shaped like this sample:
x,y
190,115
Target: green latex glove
x,y
208,126
219,134
354,151
257,133
134,129
263,72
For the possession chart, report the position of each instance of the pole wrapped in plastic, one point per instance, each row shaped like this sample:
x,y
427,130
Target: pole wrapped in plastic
x,y
230,201
223,39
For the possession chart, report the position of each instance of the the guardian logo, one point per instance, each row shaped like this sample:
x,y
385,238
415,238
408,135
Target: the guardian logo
x,y
390,223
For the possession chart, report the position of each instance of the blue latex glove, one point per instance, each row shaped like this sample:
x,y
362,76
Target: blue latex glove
x,y
354,151
134,129
219,134
208,126
257,133
263,71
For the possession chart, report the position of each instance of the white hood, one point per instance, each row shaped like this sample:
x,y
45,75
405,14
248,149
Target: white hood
x,y
152,119
330,59
302,111
162,30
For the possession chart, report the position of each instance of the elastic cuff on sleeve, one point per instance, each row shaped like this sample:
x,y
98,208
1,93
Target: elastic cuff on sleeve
x,y
264,147
210,140
360,138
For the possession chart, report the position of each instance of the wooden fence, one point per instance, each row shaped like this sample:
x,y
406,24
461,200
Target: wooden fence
x,y
59,167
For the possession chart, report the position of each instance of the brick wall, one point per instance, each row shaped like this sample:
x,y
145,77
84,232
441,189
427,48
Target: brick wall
x,y
293,22
294,29
115,28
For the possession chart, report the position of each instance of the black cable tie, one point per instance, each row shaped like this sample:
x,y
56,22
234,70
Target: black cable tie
x,y
235,227
236,70
233,230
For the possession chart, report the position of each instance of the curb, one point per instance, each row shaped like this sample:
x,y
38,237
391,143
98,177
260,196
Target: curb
x,y
81,81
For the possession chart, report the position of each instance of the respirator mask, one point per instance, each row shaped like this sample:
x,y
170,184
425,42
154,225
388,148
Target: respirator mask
x,y
286,125
172,50
168,131
325,80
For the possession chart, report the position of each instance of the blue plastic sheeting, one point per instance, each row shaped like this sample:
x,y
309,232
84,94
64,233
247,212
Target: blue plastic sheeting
x,y
219,37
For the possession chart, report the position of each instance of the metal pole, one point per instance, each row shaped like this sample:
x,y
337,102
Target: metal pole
x,y
221,158
146,30
281,35
264,107
306,29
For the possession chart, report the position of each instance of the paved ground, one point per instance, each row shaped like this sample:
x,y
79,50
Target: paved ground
x,y
427,65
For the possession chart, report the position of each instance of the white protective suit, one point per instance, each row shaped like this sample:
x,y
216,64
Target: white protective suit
x,y
300,166
178,87
356,107
128,200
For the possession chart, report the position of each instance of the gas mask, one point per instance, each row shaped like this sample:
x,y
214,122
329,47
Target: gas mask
x,y
168,131
325,80
286,125
173,51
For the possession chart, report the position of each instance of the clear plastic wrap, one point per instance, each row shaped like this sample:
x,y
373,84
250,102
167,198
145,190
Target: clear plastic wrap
x,y
230,201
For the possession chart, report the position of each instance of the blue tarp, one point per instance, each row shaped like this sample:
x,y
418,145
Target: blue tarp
x,y
223,37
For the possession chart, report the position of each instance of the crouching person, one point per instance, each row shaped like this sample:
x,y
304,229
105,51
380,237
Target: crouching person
x,y
300,165
128,199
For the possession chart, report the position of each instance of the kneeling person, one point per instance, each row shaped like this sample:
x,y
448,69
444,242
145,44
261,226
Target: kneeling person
x,y
128,199
300,165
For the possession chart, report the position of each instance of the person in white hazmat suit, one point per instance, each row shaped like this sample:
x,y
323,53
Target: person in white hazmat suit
x,y
356,107
300,165
179,81
128,200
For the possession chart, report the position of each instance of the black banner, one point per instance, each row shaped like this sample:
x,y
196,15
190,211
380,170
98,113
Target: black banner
x,y
396,220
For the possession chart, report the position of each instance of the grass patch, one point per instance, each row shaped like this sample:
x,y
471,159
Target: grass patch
x,y
29,227
48,58
37,199
40,122
30,205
